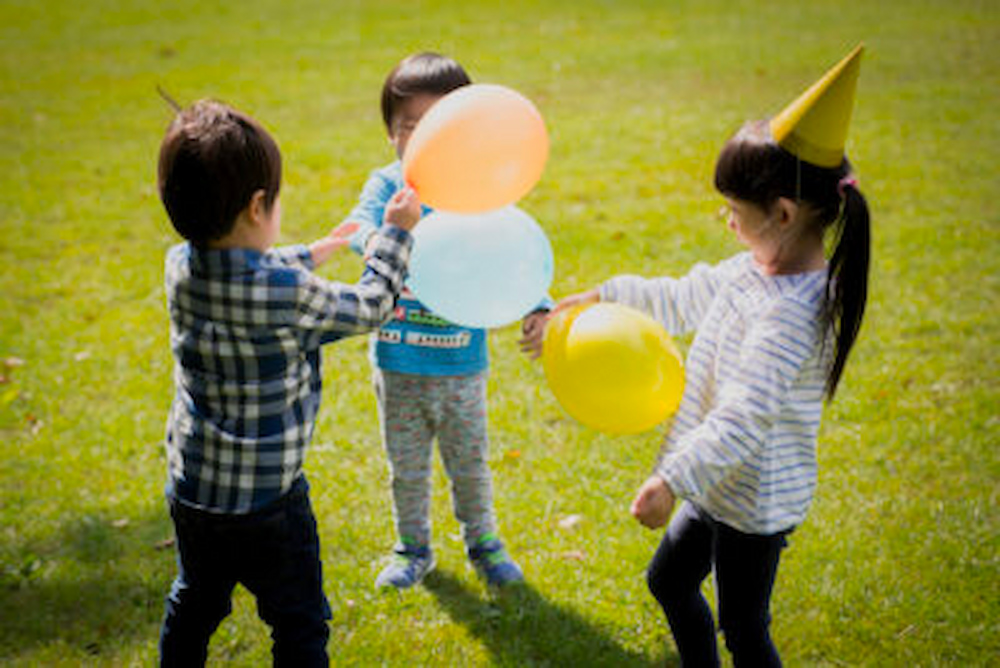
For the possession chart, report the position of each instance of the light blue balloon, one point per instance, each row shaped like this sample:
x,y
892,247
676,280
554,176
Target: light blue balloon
x,y
480,269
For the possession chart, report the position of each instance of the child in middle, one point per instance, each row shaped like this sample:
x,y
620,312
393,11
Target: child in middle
x,y
430,374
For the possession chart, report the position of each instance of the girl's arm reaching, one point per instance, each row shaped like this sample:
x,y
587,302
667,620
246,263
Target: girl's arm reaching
x,y
678,304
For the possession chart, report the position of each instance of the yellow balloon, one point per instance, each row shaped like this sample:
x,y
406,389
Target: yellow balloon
x,y
613,368
480,147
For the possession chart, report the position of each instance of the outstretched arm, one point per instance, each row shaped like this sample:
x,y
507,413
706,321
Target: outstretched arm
x,y
328,307
339,237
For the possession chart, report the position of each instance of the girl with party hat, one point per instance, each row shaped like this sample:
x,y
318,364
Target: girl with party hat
x,y
774,328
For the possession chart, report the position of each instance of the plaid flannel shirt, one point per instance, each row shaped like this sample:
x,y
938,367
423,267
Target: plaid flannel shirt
x,y
245,330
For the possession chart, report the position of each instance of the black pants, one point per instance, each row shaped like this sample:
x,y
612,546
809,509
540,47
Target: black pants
x,y
745,568
274,553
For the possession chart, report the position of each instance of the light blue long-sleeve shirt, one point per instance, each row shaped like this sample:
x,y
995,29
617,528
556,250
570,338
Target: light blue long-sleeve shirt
x,y
415,341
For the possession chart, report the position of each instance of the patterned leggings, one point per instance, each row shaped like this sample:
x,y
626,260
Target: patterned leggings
x,y
413,410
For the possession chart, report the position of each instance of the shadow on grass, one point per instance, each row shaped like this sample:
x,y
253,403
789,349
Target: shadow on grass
x,y
93,585
522,628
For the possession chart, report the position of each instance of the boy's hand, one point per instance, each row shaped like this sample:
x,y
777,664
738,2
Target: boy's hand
x,y
340,237
533,328
533,333
403,210
653,503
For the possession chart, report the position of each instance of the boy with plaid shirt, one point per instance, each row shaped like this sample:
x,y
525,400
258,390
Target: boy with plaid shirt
x,y
246,325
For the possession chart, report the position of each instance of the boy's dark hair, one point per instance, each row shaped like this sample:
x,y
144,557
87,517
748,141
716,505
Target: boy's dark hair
x,y
212,160
752,167
420,73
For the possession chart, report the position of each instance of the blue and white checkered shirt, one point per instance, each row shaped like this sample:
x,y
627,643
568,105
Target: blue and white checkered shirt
x,y
245,330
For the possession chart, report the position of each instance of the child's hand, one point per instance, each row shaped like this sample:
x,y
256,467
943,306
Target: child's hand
x,y
533,333
340,237
533,328
653,503
403,210
341,234
588,297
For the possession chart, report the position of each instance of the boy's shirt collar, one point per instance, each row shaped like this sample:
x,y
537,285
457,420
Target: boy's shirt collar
x,y
223,261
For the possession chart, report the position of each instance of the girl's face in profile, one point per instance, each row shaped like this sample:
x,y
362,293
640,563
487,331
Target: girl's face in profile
x,y
406,118
751,224
778,237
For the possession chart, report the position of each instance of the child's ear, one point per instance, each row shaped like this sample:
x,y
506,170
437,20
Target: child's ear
x,y
258,208
787,210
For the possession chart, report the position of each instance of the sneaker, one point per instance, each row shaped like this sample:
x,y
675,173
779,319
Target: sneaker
x,y
491,561
410,563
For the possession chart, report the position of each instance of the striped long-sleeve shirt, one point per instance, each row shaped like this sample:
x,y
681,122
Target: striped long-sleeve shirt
x,y
742,445
245,330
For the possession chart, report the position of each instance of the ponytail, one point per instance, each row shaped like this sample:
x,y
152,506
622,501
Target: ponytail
x,y
847,281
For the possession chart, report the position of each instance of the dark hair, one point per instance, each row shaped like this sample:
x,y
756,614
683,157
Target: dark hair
x,y
420,73
752,167
213,158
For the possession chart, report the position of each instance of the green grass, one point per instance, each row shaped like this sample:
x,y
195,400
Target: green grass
x,y
899,561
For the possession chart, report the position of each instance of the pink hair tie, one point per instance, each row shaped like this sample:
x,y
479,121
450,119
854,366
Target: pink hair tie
x,y
844,183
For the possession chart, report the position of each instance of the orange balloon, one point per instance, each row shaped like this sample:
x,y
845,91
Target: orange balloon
x,y
480,147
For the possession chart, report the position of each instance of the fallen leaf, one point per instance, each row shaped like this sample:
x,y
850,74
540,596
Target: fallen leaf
x,y
164,544
574,555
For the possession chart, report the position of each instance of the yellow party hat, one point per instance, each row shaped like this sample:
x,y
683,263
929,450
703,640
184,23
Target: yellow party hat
x,y
814,126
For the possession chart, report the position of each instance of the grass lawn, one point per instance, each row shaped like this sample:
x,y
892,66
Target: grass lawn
x,y
899,561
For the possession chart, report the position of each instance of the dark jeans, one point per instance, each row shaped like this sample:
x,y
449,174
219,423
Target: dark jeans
x,y
274,553
745,568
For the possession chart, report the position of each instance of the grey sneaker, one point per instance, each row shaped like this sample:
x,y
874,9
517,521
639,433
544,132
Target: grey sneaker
x,y
409,565
491,561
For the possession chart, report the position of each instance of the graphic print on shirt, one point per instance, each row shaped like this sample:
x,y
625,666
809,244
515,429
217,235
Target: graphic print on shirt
x,y
419,316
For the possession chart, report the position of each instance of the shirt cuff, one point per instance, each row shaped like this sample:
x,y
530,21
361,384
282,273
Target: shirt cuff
x,y
359,240
397,234
547,304
670,469
295,254
607,290
390,255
